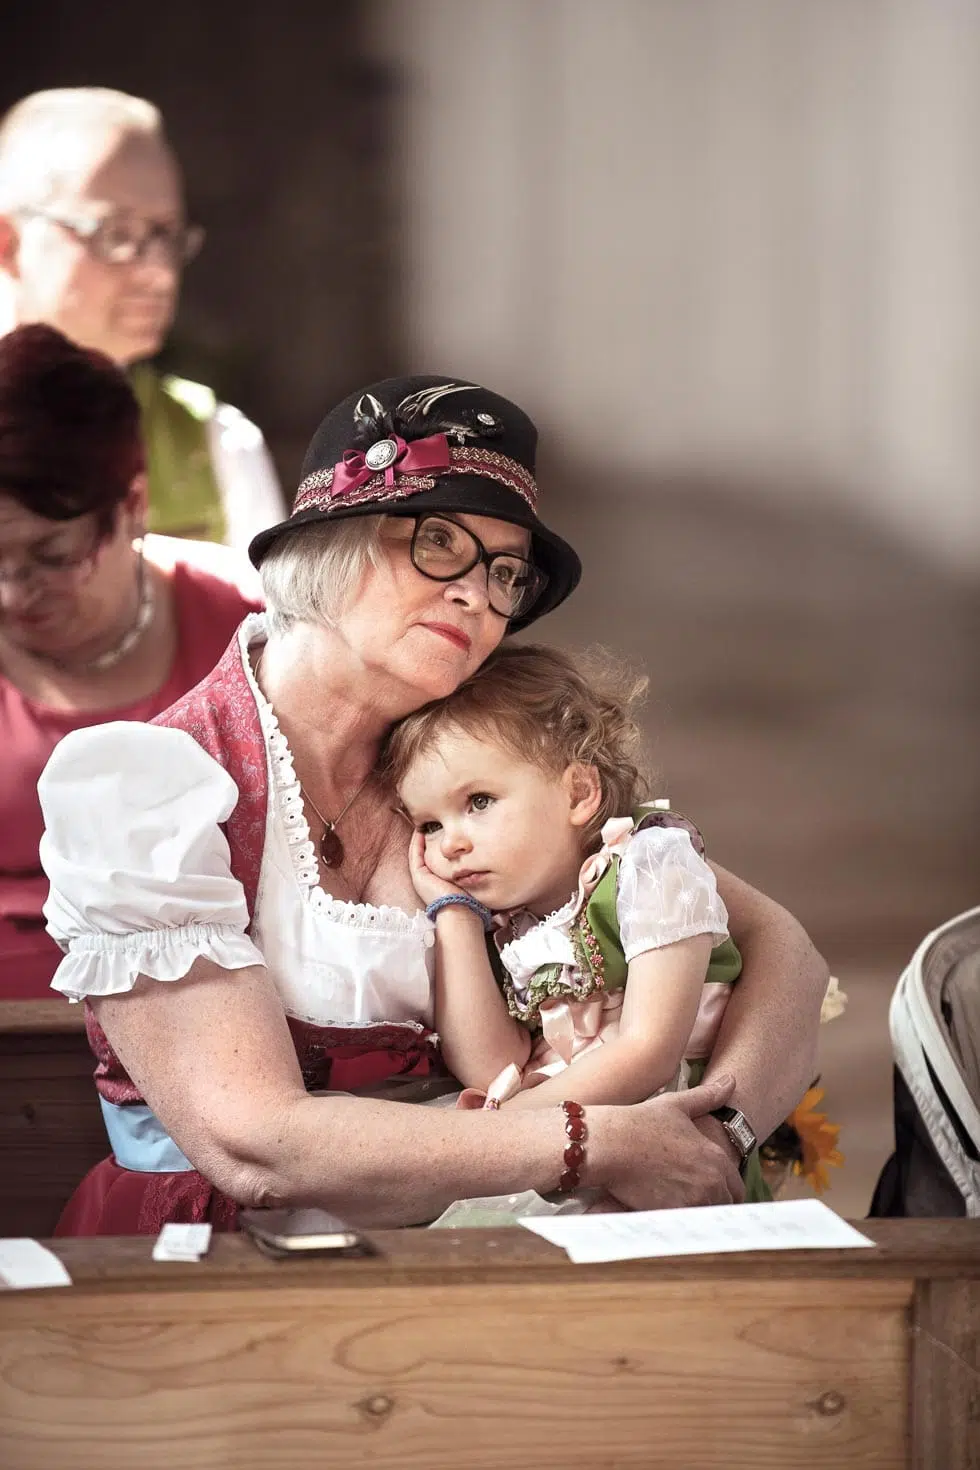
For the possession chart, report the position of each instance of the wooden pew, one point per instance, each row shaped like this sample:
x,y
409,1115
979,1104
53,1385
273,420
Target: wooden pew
x,y
479,1350
51,1128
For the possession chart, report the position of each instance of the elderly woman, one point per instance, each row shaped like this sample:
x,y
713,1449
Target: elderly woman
x,y
96,623
231,885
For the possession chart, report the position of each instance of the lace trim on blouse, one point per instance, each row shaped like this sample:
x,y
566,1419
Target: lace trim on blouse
x,y
289,800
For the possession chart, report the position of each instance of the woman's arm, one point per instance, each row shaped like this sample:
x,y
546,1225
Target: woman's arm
x,y
479,1037
213,1057
768,1037
663,989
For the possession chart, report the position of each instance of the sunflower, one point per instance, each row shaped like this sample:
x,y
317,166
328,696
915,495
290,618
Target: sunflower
x,y
817,1141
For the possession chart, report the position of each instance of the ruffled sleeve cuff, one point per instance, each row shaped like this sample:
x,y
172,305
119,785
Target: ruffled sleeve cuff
x,y
666,893
138,863
109,964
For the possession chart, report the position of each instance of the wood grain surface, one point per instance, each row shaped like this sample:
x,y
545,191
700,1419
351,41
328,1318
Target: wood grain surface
x,y
946,1374
51,1128
714,1375
486,1349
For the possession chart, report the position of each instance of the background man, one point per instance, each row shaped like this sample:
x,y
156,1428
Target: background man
x,y
93,240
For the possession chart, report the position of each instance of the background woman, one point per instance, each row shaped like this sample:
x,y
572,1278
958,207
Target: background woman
x,y
231,883
96,623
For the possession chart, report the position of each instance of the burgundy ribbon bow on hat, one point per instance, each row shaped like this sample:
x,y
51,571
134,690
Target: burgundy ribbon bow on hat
x,y
420,457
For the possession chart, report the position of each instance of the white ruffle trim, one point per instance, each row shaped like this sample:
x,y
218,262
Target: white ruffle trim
x,y
109,964
370,916
289,800
289,796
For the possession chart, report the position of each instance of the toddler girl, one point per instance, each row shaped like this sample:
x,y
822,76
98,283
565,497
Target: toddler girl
x,y
610,950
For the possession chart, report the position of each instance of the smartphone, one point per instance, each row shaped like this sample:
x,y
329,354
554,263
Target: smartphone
x,y
303,1232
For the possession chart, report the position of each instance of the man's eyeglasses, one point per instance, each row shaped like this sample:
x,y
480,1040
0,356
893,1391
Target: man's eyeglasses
x,y
445,551
120,239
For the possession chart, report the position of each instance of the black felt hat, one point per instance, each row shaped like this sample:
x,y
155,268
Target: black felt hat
x,y
407,446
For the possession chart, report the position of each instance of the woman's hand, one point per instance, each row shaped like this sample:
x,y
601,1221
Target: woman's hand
x,y
428,886
653,1156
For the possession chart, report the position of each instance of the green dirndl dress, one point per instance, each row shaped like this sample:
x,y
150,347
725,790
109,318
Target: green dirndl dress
x,y
601,964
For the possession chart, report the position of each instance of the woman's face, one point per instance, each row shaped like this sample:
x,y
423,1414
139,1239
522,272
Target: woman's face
x,y
64,585
427,636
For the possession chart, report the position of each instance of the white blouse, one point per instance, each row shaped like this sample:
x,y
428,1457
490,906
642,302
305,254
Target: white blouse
x,y
141,880
665,892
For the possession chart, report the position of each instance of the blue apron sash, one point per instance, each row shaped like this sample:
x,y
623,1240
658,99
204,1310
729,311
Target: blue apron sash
x,y
139,1142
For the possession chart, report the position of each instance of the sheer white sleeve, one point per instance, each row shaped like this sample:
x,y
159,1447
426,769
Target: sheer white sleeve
x,y
141,882
666,892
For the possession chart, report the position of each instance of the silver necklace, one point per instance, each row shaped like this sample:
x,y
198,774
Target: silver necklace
x,y
146,607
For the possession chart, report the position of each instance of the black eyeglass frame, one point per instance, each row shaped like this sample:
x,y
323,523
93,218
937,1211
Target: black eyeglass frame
x,y
480,556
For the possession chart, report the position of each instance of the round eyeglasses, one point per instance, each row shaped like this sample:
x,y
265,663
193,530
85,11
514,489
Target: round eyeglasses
x,y
121,239
445,551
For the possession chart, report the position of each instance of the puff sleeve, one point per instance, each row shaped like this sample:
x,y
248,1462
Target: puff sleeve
x,y
666,892
140,871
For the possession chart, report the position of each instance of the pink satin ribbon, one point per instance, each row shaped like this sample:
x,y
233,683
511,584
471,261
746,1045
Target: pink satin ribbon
x,y
707,1023
420,457
569,1029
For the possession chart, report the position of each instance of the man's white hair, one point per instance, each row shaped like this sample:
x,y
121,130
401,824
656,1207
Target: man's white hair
x,y
312,574
40,135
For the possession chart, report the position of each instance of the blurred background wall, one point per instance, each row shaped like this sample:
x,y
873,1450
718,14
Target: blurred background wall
x,y
727,252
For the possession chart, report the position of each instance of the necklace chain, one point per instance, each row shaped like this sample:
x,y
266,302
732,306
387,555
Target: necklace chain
x,y
328,826
146,607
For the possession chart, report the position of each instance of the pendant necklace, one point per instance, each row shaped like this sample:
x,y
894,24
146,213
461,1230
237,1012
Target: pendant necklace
x,y
331,849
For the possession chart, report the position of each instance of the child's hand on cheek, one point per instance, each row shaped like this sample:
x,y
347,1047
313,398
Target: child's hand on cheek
x,y
428,886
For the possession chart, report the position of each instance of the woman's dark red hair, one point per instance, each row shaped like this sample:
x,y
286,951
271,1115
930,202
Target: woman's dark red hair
x,y
70,440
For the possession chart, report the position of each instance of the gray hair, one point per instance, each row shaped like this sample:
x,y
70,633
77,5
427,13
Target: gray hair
x,y
311,574
39,136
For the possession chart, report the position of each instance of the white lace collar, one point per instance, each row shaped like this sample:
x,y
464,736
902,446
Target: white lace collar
x,y
289,802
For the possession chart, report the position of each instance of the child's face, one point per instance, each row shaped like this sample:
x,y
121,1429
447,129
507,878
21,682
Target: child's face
x,y
506,831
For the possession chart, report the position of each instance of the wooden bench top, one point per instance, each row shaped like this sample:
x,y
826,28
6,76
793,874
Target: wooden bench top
x,y
478,1350
935,1250
41,1017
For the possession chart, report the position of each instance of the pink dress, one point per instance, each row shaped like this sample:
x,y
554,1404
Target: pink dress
x,y
208,611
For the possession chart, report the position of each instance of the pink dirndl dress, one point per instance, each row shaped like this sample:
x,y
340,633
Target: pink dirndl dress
x,y
187,837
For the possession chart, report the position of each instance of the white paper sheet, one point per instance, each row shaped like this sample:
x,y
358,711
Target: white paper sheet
x,y
26,1263
182,1242
784,1225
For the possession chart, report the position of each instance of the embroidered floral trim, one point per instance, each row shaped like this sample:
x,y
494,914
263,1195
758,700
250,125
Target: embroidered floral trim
x,y
289,800
315,492
545,984
588,951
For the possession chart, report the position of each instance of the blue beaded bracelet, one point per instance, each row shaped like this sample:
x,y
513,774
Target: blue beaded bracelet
x,y
480,909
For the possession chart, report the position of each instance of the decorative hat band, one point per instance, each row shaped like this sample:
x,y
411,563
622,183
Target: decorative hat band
x,y
393,469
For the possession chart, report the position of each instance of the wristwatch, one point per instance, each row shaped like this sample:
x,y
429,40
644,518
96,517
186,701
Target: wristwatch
x,y
739,1130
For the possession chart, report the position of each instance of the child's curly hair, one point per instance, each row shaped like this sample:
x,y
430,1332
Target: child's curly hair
x,y
549,710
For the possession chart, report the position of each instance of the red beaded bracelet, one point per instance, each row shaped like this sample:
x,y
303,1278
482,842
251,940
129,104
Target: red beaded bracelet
x,y
574,1154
